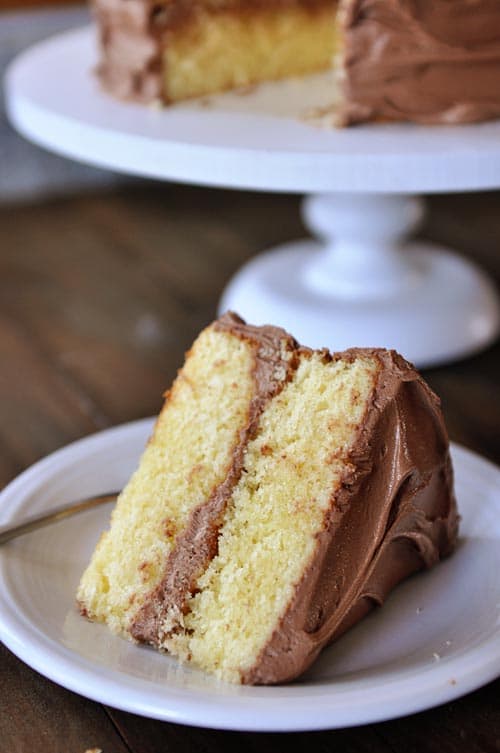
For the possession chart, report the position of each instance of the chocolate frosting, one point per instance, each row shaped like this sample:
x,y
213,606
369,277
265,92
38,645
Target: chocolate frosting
x,y
195,547
394,514
427,61
130,33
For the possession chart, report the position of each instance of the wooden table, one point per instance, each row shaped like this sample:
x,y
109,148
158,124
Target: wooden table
x,y
99,297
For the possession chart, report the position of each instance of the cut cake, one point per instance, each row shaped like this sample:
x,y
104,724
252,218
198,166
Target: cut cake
x,y
283,494
428,61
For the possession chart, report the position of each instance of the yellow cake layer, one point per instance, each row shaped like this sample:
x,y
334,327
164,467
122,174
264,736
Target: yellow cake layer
x,y
222,50
292,468
188,455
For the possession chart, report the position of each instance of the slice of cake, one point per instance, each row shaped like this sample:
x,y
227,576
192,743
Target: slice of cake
x,y
283,494
429,61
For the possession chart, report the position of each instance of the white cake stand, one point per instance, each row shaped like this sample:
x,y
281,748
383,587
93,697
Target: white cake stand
x,y
362,284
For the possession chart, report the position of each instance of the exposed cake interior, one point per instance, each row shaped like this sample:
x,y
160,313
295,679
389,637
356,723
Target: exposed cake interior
x,y
189,454
228,46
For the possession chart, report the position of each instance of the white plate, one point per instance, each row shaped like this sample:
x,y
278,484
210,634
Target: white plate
x,y
437,637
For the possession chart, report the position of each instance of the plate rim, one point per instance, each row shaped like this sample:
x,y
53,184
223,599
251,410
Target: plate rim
x,y
251,709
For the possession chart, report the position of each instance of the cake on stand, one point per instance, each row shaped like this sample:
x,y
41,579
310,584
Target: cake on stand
x,y
362,282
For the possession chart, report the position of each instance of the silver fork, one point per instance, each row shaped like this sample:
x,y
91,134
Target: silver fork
x,y
34,522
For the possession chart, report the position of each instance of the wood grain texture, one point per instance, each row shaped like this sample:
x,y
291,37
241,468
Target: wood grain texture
x,y
100,295
148,736
38,716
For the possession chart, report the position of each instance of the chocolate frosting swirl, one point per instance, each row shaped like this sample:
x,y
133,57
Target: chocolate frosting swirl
x,y
428,61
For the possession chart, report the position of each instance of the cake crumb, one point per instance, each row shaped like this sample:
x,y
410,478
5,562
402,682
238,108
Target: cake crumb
x,y
157,105
324,118
169,527
447,643
436,657
452,681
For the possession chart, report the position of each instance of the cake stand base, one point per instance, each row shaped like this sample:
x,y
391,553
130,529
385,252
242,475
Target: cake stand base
x,y
365,286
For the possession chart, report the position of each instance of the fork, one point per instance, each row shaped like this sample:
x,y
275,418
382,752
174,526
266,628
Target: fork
x,y
34,522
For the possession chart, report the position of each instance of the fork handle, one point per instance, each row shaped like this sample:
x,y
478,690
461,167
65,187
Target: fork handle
x,y
59,513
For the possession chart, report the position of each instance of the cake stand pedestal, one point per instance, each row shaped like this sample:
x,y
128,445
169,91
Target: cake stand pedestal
x,y
361,283
364,285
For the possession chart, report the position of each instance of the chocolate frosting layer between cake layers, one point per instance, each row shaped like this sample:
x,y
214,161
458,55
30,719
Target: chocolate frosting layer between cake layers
x,y
394,514
427,61
162,612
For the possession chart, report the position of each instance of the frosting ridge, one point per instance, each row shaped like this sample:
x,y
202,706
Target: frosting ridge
x,y
428,61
